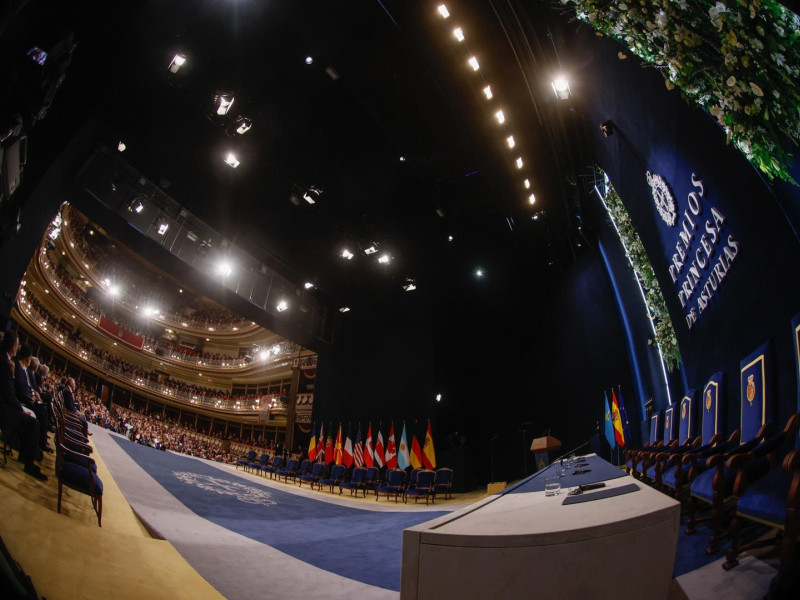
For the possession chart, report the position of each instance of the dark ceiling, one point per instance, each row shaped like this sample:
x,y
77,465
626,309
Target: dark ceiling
x,y
388,80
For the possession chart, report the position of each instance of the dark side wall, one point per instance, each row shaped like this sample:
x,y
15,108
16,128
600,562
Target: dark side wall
x,y
656,131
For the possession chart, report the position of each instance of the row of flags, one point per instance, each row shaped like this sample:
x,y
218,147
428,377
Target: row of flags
x,y
367,454
617,427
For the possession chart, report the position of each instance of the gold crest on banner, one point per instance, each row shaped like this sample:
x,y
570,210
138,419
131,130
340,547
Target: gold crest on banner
x,y
751,389
708,400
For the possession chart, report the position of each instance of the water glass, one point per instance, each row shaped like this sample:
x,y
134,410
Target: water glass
x,y
551,486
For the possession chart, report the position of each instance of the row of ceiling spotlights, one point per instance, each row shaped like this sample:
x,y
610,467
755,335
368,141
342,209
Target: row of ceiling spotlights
x,y
560,88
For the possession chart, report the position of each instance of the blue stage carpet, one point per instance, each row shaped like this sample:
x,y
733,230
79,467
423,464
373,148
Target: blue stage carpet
x,y
358,544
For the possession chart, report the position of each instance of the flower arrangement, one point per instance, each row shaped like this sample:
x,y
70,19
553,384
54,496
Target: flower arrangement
x,y
664,336
737,59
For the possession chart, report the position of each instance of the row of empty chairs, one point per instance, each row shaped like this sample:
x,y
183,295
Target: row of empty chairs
x,y
396,483
750,474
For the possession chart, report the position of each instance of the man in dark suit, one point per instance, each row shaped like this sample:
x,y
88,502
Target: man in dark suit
x,y
70,404
28,396
13,415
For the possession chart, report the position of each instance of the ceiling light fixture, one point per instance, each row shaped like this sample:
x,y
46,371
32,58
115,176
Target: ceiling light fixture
x,y
532,199
308,285
121,146
282,306
371,249
136,206
459,33
473,62
347,254
309,60
443,11
487,91
527,184
224,101
410,285
501,118
344,309
519,162
224,269
243,125
231,160
162,226
561,87
384,259
438,397
177,62
510,141
479,273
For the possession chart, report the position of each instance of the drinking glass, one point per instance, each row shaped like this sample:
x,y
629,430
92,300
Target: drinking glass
x,y
551,486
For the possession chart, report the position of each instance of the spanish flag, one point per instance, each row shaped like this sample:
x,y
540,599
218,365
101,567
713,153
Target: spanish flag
x,y
312,445
619,435
337,449
428,453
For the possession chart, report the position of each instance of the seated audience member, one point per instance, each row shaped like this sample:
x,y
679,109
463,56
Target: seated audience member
x,y
14,416
28,396
70,404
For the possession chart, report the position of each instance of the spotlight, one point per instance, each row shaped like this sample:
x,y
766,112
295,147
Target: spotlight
x,y
459,33
231,160
479,273
243,125
371,249
501,118
449,238
136,206
410,285
309,60
527,184
438,397
113,290
519,162
344,309
177,63
487,91
443,11
161,226
312,194
347,254
308,285
384,259
532,199
224,269
473,62
264,354
121,146
282,306
561,88
224,101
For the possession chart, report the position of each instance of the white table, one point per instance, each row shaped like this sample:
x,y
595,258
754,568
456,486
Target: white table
x,y
527,545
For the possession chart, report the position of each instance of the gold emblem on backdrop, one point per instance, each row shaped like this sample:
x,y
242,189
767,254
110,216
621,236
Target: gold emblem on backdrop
x,y
708,400
683,411
751,389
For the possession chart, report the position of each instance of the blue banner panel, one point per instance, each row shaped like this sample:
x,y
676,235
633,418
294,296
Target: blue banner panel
x,y
670,431
687,425
756,394
796,340
712,413
655,430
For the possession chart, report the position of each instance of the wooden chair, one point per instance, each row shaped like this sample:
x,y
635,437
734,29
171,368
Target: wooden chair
x,y
443,482
423,487
394,485
357,482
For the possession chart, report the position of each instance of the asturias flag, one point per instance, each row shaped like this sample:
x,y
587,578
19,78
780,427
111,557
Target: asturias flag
x,y
337,449
619,436
369,460
402,452
428,453
609,425
391,451
379,451
416,453
312,445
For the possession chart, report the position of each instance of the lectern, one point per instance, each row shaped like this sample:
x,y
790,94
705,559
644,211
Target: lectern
x,y
545,450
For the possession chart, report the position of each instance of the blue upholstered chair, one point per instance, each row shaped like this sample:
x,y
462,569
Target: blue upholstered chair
x,y
633,456
423,487
443,482
257,466
313,477
305,467
714,486
277,463
669,439
371,478
287,471
336,477
78,472
669,472
245,461
394,485
356,482
773,499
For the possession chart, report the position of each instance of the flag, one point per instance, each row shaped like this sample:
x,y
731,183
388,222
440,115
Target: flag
x,y
379,448
626,426
312,445
358,451
347,455
619,436
337,449
402,452
609,426
428,453
391,451
369,459
321,445
329,456
416,453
